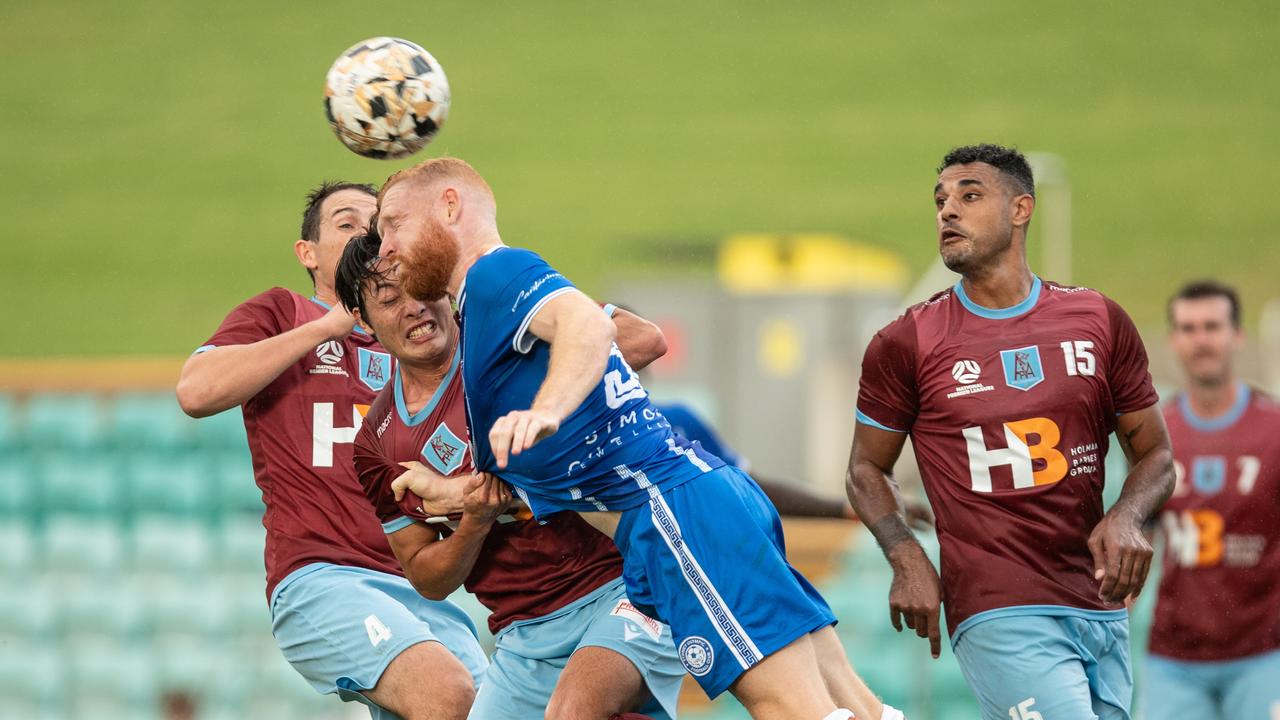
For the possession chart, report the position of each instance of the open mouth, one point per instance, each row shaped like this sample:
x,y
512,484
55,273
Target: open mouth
x,y
949,234
422,331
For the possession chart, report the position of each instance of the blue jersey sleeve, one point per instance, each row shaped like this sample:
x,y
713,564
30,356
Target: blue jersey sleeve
x,y
513,285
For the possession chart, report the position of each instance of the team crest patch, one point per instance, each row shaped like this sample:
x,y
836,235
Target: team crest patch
x,y
1209,474
375,368
444,451
1022,369
696,655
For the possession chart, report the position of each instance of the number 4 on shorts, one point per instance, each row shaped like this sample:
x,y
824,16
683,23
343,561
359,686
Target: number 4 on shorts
x,y
1023,711
378,631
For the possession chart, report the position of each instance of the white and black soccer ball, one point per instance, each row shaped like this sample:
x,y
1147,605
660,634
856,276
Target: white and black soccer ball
x,y
386,98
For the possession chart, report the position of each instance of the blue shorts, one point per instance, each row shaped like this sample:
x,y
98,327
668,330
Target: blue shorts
x,y
1063,663
340,627
707,557
530,654
1245,688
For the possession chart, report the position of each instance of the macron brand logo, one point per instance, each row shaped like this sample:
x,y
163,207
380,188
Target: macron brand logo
x,y
966,372
527,293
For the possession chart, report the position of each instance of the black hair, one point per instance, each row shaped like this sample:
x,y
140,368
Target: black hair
x,y
1199,289
1011,163
311,213
357,266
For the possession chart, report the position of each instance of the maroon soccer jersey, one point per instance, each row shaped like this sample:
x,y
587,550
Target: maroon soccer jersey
x,y
1009,412
300,430
1220,593
526,569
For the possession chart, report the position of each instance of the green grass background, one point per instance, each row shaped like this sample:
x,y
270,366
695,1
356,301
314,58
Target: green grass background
x,y
156,152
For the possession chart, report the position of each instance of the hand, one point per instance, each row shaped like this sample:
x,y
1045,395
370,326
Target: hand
x,y
518,430
439,495
916,595
1121,557
485,497
338,323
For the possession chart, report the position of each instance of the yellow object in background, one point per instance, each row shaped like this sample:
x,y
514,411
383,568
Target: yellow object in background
x,y
813,262
780,347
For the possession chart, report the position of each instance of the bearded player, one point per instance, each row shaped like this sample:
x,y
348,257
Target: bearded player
x,y
555,411
1215,643
1009,387
568,642
342,612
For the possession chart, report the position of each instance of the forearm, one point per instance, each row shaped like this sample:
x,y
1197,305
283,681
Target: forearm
x,y
1147,487
579,354
438,568
640,341
797,501
875,499
224,377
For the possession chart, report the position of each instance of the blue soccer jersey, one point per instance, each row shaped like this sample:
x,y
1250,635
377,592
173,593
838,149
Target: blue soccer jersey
x,y
607,453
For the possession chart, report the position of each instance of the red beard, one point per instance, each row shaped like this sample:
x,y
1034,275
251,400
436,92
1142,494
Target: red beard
x,y
427,264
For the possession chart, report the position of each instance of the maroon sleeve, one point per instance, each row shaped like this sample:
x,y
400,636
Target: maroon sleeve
x,y
376,474
1129,377
887,395
258,318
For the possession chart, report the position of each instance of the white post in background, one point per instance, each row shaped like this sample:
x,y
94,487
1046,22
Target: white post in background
x,y
1053,215
1269,343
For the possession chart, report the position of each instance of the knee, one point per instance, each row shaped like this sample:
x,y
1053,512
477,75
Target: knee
x,y
448,696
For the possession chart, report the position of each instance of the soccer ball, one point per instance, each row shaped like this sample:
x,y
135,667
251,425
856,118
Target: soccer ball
x,y
386,98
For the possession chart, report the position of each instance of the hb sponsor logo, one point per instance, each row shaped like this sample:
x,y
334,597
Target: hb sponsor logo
x,y
696,655
1031,454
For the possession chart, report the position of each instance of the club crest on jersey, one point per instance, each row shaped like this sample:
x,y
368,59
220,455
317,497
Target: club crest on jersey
x,y
696,655
375,368
444,451
1022,370
1209,474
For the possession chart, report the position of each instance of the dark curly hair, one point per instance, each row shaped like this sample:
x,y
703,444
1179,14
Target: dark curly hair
x,y
316,197
1011,164
357,266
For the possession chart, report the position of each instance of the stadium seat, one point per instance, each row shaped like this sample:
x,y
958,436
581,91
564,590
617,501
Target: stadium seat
x,y
79,482
70,421
83,544
236,491
17,549
165,544
241,539
149,420
111,679
18,485
186,608
168,483
92,608
34,681
28,612
222,431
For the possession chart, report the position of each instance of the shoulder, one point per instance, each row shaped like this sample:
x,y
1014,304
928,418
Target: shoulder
x,y
277,301
1264,402
1078,295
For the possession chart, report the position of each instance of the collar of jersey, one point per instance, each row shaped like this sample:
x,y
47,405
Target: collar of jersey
x,y
1222,422
462,291
327,306
425,412
1000,313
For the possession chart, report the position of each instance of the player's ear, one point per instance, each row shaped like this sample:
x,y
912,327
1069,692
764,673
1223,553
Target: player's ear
x,y
452,204
1023,207
306,252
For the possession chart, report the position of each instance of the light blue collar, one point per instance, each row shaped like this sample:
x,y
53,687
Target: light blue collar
x,y
1222,422
1000,313
327,306
425,412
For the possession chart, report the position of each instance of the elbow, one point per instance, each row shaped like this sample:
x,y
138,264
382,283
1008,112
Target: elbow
x,y
657,343
194,399
430,590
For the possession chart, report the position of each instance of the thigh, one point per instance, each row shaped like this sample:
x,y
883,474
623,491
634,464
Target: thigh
x,y
1172,689
516,687
425,682
342,627
1021,665
639,651
1253,688
704,558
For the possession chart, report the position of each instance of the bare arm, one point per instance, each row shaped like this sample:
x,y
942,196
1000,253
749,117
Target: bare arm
x,y
640,341
916,593
1121,552
581,338
227,376
436,567
796,500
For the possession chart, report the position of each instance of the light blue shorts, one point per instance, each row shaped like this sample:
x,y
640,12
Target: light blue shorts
x,y
1063,663
340,627
1244,688
530,655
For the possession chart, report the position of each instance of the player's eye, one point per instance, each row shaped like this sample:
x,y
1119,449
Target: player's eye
x,y
971,196
939,201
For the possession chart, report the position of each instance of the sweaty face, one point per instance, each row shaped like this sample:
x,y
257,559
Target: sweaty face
x,y
411,330
1203,338
412,234
343,215
974,219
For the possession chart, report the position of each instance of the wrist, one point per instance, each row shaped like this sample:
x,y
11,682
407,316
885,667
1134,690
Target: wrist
x,y
473,525
906,554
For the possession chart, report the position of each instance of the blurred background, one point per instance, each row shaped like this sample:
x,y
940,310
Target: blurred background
x,y
755,176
